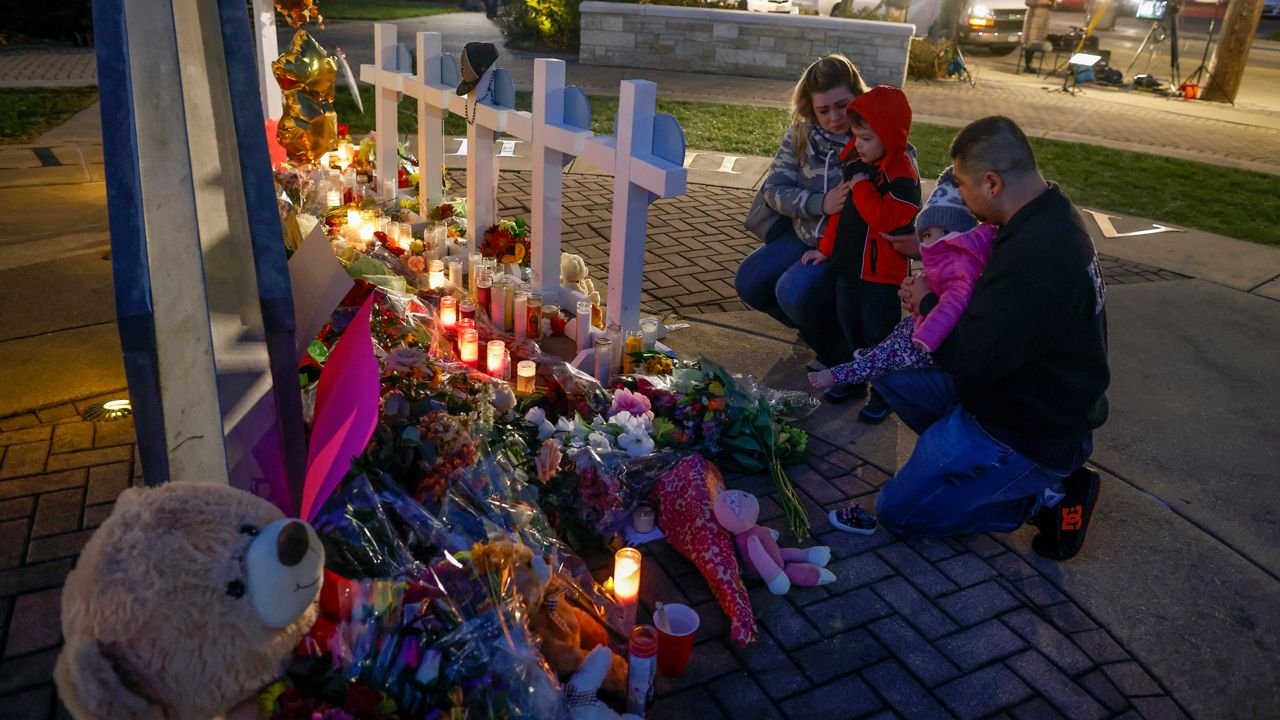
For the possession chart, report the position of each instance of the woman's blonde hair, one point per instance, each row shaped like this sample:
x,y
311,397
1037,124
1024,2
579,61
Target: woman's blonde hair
x,y
822,75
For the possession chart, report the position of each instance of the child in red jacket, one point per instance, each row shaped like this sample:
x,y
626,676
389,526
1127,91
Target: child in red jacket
x,y
883,199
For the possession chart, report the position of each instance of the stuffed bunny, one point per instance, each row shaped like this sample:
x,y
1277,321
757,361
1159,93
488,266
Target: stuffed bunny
x,y
737,512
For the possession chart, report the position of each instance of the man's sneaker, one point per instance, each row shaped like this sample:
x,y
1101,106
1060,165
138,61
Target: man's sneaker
x,y
852,518
844,392
875,411
815,366
1063,526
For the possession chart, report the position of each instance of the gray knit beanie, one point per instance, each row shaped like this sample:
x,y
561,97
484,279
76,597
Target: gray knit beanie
x,y
945,208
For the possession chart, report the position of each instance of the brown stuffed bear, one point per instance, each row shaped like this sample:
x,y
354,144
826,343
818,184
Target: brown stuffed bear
x,y
568,633
186,601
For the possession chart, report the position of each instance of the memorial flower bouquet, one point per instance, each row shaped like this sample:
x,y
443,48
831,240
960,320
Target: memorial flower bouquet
x,y
508,242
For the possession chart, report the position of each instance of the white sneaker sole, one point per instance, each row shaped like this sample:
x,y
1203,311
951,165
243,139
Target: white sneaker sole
x,y
848,528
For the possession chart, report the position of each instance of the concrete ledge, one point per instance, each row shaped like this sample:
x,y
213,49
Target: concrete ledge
x,y
734,42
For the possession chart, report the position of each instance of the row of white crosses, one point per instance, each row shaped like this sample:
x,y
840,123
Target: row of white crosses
x,y
646,157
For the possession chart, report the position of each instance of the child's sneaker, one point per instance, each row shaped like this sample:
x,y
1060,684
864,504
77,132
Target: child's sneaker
x,y
875,411
852,518
1063,526
844,392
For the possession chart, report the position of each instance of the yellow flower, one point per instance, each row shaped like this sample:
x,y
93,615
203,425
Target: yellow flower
x,y
658,365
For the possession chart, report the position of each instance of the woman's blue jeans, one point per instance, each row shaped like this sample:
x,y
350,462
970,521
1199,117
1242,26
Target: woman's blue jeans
x,y
959,480
803,297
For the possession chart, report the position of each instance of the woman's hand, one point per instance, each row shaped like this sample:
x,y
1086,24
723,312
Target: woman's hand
x,y
834,199
813,257
906,244
822,380
913,290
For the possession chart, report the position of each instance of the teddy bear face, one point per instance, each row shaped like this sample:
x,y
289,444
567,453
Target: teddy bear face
x,y
192,594
737,510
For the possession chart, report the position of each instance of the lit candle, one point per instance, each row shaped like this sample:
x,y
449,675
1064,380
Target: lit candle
x,y
520,314
626,583
525,372
435,275
498,304
468,346
353,217
324,160
455,272
584,324
333,198
495,352
366,231
482,292
649,333
448,312
384,225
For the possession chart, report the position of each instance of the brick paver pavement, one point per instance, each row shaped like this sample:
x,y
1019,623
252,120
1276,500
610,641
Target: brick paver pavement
x,y
51,67
958,628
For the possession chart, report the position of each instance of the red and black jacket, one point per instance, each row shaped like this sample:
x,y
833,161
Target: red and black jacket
x,y
887,203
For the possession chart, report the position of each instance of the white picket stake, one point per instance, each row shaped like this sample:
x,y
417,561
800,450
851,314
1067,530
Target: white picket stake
x,y
486,113
386,82
646,157
432,93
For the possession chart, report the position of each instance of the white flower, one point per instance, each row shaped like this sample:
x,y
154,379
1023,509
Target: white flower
x,y
572,428
504,398
634,423
637,444
599,441
538,417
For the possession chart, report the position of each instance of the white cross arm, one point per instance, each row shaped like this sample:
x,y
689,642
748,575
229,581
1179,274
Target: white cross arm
x,y
657,175
378,77
435,96
494,118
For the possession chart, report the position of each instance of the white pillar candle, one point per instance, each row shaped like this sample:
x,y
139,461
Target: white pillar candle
x,y
495,354
649,333
353,217
455,272
332,199
583,324
520,314
473,270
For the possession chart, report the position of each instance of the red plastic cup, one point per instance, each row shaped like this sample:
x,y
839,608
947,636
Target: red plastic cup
x,y
675,639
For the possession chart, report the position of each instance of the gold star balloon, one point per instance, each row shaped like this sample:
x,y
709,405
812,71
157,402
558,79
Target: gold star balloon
x,y
297,12
306,74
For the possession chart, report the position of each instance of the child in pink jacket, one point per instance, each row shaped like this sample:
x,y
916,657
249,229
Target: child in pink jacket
x,y
954,248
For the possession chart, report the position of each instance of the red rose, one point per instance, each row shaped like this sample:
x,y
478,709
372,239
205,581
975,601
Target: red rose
x,y
342,130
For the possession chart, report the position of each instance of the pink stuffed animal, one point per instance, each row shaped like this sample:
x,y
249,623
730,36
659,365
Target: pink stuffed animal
x,y
779,567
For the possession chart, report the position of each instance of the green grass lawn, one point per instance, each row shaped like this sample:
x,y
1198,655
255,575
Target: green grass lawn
x,y
381,9
26,113
1236,203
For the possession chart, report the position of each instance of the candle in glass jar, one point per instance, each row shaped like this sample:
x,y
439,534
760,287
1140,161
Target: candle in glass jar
x,y
509,302
467,310
520,313
468,346
448,312
435,275
533,323
602,354
353,218
633,345
525,372
482,293
473,270
384,225
333,198
455,272
626,582
614,332
649,333
366,231
495,353
583,324
498,303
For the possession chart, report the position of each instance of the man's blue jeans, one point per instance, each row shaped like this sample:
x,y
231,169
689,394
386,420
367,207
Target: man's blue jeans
x,y
959,480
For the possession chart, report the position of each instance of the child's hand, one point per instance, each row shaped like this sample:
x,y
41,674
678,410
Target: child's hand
x,y
834,199
822,380
813,257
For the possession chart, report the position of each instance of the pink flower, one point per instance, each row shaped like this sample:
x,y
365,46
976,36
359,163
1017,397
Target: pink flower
x,y
634,403
416,263
548,460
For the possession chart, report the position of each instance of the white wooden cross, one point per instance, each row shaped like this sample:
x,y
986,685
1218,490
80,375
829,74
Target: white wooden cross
x,y
486,109
558,129
386,80
647,156
432,87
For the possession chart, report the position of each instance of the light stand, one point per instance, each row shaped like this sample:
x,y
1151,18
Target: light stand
x,y
1157,32
1202,70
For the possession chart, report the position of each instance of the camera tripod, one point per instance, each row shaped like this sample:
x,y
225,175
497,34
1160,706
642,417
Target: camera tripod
x,y
1202,70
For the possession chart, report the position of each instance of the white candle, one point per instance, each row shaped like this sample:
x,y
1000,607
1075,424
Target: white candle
x,y
498,304
435,275
353,217
495,356
520,314
525,372
455,272
584,324
649,332
366,231
332,199
626,582
473,269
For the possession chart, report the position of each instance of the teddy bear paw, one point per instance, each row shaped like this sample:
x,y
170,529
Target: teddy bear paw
x,y
820,555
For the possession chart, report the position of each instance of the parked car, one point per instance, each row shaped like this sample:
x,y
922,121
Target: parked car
x,y
1271,8
993,24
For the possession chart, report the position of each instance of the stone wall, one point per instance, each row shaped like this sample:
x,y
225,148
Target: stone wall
x,y
734,42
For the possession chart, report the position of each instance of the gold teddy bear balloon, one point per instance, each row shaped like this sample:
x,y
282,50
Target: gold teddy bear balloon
x,y
306,74
297,12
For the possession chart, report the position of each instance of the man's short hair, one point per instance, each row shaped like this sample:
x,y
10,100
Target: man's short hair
x,y
994,144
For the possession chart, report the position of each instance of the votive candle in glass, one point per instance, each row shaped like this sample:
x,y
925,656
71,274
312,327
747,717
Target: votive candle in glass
x,y
448,312
533,324
483,292
366,231
467,310
435,275
634,344
509,305
353,218
626,582
526,370
455,272
614,332
473,271
495,352
520,313
468,346
498,303
332,199
583,324
649,333
603,354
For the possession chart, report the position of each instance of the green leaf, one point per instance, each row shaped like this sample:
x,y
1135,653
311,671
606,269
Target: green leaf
x,y
318,351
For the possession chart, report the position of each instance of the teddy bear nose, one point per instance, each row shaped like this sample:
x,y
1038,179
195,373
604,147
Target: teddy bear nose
x,y
291,546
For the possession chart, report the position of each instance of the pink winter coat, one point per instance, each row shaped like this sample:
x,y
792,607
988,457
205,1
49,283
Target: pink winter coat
x,y
952,264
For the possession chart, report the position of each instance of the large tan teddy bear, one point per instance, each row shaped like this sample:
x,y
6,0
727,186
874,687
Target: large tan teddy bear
x,y
573,274
186,601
